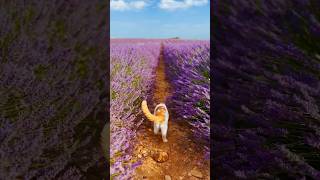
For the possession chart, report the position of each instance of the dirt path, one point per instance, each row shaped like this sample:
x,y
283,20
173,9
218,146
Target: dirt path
x,y
183,158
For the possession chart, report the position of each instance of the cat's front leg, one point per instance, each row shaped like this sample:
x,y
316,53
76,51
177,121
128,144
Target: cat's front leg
x,y
164,138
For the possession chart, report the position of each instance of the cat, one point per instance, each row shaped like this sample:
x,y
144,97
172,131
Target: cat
x,y
160,118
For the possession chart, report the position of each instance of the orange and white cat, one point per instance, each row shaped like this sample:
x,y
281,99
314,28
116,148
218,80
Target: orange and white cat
x,y
160,118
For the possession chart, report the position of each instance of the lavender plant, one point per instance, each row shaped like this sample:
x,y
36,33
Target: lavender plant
x,y
52,89
132,72
266,89
188,68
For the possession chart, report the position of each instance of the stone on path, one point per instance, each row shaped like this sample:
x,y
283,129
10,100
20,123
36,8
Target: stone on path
x,y
144,153
167,177
196,173
160,156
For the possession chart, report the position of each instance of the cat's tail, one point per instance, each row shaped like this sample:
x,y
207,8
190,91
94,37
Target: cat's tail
x,y
148,114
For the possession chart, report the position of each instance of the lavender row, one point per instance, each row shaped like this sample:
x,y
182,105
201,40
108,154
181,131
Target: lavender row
x,y
188,68
132,68
266,90
52,89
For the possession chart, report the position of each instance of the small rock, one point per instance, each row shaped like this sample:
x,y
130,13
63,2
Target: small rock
x,y
194,172
144,152
149,129
139,156
180,177
160,156
189,174
167,177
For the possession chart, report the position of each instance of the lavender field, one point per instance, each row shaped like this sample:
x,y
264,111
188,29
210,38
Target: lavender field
x,y
189,71
266,89
157,70
53,89
132,70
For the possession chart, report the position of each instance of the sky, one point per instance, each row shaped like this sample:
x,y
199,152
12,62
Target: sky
x,y
186,19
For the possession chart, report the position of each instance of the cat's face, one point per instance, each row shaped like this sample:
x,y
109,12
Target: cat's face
x,y
160,111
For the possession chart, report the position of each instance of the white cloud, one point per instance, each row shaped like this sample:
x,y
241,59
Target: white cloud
x,y
118,5
138,4
174,4
121,5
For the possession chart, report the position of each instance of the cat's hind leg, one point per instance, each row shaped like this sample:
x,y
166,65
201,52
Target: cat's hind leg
x,y
156,128
164,129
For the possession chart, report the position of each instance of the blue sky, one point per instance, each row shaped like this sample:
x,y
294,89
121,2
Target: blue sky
x,y
187,19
